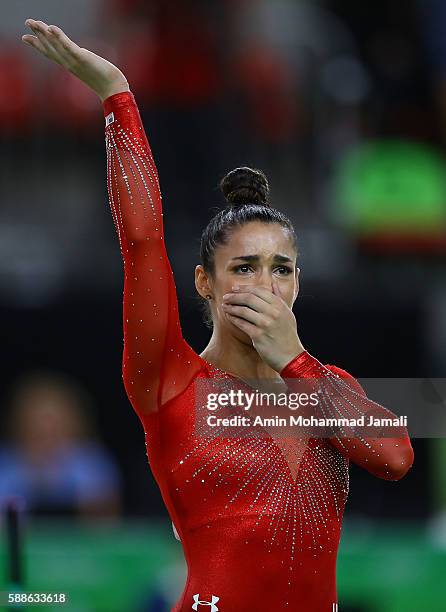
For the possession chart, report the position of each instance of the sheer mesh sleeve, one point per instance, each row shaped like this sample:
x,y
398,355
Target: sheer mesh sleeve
x,y
341,396
158,363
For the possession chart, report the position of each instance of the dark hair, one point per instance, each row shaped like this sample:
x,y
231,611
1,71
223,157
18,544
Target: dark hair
x,y
246,191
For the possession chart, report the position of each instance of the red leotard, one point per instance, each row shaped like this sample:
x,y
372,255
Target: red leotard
x,y
259,519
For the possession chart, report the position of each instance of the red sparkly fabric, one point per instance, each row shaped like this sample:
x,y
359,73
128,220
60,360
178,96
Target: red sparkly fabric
x,y
259,517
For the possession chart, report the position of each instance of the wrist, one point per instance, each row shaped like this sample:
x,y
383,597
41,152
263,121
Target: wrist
x,y
115,88
286,359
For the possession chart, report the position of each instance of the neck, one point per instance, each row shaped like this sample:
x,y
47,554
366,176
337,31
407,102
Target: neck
x,y
230,354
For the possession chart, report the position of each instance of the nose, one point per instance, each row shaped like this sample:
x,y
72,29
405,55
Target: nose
x,y
265,279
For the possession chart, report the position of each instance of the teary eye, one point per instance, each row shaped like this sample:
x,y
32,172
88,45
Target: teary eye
x,y
284,270
242,268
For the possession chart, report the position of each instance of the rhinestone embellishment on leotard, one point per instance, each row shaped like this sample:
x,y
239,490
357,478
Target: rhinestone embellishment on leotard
x,y
301,513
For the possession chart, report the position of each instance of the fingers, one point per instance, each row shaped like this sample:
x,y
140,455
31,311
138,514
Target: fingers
x,y
64,45
33,41
261,292
248,299
39,28
52,42
249,329
251,300
245,313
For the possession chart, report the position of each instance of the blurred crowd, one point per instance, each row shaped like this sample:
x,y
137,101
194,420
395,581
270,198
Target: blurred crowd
x,y
342,105
51,461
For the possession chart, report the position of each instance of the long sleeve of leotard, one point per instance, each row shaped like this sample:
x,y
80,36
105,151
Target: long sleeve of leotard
x,y
341,396
157,362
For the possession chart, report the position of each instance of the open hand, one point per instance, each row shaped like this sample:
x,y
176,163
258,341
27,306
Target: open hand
x,y
268,321
99,74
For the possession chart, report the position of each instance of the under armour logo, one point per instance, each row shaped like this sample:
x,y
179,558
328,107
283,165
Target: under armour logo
x,y
212,603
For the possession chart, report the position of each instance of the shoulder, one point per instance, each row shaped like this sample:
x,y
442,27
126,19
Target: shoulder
x,y
346,376
337,370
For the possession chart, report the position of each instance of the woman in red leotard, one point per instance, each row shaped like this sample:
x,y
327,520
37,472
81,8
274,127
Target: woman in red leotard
x,y
259,517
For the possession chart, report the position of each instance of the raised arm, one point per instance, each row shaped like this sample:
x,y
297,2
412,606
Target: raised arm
x,y
157,362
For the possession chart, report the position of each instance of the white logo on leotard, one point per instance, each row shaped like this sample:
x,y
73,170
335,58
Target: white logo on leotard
x,y
212,603
109,119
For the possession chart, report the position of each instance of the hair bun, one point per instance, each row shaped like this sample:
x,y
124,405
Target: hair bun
x,y
245,186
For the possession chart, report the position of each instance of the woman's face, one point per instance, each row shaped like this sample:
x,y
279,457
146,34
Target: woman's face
x,y
256,254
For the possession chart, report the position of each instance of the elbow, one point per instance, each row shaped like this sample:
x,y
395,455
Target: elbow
x,y
399,465
138,236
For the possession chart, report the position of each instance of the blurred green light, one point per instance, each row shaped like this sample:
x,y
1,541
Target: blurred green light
x,y
391,186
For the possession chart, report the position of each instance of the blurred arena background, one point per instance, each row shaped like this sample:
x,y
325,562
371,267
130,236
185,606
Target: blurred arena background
x,y
343,105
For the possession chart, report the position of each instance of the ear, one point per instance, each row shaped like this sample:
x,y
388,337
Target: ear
x,y
202,281
296,292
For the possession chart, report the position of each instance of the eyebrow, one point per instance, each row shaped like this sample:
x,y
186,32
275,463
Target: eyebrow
x,y
255,258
